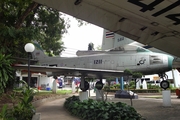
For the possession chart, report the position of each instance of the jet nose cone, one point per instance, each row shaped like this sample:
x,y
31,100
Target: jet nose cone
x,y
170,61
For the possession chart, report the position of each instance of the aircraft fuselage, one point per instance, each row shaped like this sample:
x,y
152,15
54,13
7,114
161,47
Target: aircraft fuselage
x,y
144,62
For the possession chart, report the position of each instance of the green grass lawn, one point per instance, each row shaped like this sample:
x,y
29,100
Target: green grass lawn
x,y
156,97
46,92
60,92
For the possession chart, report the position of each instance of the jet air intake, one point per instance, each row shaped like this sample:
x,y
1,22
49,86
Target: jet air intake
x,y
154,59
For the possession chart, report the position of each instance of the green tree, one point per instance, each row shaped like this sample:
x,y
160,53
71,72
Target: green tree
x,y
6,72
128,72
24,20
98,47
81,22
107,87
134,75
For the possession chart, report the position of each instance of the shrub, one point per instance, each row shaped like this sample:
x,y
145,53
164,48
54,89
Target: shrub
x,y
100,110
116,86
106,87
6,71
131,83
126,86
150,86
23,110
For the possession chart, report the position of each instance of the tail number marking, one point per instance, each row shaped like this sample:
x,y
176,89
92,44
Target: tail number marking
x,y
97,61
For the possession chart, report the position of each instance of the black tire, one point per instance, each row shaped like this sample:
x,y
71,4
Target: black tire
x,y
164,84
86,86
99,85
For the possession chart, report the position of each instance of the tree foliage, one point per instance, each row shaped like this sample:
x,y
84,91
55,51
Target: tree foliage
x,y
128,72
137,75
22,108
6,71
81,22
99,47
23,21
134,74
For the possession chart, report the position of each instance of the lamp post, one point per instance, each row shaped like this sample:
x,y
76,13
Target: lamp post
x,y
29,48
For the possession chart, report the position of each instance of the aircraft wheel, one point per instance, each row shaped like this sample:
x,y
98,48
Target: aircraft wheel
x,y
86,86
99,85
164,84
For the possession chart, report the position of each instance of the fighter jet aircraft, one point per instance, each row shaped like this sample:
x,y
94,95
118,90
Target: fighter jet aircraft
x,y
102,64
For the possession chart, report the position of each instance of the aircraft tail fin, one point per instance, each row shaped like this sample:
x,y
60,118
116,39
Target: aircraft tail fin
x,y
112,40
38,53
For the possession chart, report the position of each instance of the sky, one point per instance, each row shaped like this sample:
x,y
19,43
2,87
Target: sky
x,y
78,38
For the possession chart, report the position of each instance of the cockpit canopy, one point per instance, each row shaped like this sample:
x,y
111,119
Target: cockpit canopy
x,y
131,48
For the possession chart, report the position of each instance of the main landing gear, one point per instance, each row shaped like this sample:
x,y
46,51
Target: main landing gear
x,y
164,83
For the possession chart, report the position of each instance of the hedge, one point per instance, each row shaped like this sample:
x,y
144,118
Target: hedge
x,y
142,90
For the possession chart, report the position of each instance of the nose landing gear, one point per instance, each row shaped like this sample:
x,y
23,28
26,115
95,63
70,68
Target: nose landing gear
x,y
164,83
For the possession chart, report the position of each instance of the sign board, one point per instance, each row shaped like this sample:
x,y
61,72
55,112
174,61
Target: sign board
x,y
156,78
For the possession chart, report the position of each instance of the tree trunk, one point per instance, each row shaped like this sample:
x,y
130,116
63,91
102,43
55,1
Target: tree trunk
x,y
25,14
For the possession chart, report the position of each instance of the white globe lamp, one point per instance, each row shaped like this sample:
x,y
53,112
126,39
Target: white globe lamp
x,y
29,48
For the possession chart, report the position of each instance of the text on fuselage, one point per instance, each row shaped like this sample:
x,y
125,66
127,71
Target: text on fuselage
x,y
97,61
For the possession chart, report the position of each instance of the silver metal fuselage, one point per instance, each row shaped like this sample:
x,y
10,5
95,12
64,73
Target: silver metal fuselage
x,y
144,62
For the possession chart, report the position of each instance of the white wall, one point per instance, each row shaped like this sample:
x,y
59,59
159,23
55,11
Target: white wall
x,y
43,79
46,80
176,77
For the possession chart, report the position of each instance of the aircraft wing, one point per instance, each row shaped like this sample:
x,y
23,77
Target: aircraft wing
x,y
150,22
24,60
67,71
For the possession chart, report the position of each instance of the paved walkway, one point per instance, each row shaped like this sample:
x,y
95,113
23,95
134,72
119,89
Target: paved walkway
x,y
150,108
153,109
54,111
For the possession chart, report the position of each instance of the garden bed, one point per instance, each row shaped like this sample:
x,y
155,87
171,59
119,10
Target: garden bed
x,y
141,90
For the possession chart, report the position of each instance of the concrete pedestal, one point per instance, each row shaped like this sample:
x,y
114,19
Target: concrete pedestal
x,y
166,94
73,87
54,89
83,95
99,95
